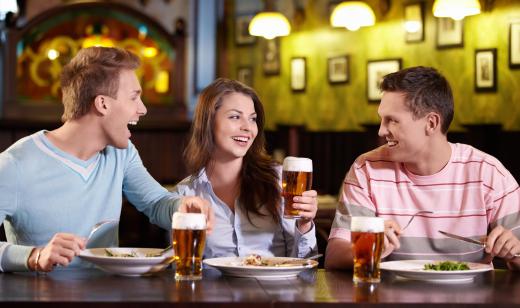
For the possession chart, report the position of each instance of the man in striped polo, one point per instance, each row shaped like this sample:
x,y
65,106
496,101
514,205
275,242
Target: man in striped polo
x,y
469,192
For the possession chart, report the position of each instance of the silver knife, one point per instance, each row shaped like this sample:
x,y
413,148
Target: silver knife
x,y
462,238
469,240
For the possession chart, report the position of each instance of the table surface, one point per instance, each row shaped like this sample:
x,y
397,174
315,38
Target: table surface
x,y
313,288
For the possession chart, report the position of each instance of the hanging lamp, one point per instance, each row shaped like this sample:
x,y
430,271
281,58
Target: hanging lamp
x,y
456,9
352,15
269,25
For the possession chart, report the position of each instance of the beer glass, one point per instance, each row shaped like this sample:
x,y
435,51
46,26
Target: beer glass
x,y
366,293
189,237
367,236
296,178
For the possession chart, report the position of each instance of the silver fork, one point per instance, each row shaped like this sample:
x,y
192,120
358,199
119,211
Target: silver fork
x,y
98,225
413,216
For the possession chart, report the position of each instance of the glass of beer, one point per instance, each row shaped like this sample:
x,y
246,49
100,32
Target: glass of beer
x,y
189,237
367,236
296,178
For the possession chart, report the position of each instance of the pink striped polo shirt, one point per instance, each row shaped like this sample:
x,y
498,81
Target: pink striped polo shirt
x,y
471,195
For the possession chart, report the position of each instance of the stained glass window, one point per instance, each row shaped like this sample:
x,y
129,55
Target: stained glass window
x,y
45,48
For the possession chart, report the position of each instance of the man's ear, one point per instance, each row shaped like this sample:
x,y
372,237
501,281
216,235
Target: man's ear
x,y
101,104
433,122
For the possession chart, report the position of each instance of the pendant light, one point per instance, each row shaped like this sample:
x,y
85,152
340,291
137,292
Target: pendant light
x,y
456,9
352,15
269,23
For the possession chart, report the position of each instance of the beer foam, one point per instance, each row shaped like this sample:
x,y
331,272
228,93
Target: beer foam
x,y
367,224
291,163
188,221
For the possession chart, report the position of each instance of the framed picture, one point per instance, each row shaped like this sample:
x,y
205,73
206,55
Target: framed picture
x,y
450,33
245,75
376,70
338,69
242,36
414,22
298,78
271,55
514,45
486,70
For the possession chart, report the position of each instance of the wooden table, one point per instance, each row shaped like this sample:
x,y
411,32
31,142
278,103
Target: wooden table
x,y
314,288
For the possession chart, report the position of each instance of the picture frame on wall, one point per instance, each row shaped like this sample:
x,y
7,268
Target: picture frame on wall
x,y
338,69
450,33
245,75
298,74
414,22
514,45
486,70
242,36
376,70
271,57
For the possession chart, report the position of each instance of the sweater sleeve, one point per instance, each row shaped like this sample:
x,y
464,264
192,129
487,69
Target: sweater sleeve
x,y
146,194
12,257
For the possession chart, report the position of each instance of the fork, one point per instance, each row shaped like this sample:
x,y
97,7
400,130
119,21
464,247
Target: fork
x,y
160,253
413,216
98,225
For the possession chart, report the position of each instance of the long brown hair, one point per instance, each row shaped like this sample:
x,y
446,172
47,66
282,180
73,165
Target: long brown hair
x,y
259,180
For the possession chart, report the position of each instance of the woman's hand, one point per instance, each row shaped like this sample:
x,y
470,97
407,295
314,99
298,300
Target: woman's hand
x,y
307,206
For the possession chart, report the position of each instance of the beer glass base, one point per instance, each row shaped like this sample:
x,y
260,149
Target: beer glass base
x,y
366,280
188,277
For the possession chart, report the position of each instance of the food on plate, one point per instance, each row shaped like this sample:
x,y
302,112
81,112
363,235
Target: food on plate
x,y
447,266
257,260
131,254
110,253
253,259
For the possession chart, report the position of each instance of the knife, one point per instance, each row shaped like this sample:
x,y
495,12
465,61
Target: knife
x,y
462,238
470,240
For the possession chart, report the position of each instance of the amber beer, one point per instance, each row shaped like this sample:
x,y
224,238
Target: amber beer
x,y
367,235
296,178
189,237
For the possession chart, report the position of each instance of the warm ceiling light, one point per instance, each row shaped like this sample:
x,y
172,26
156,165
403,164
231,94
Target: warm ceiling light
x,y
352,15
149,52
269,25
412,26
52,54
456,9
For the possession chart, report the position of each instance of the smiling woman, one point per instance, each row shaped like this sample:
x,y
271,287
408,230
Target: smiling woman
x,y
229,166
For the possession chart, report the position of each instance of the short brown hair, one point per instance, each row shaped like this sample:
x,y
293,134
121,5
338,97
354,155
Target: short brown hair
x,y
425,90
93,71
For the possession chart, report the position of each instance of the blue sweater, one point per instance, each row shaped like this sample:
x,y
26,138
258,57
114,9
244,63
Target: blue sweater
x,y
44,190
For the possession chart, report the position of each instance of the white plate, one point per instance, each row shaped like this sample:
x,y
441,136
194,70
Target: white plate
x,y
128,266
414,269
234,266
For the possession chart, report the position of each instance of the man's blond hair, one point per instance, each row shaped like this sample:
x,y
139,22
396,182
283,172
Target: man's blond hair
x,y
93,71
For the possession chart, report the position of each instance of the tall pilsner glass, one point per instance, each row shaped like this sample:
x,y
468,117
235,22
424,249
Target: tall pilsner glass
x,y
367,236
189,237
296,178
